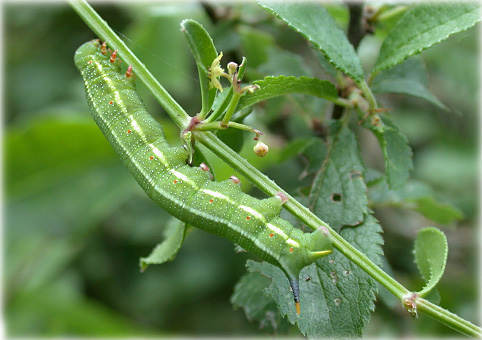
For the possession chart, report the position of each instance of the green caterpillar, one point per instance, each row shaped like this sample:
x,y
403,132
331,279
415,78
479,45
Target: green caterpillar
x,y
186,192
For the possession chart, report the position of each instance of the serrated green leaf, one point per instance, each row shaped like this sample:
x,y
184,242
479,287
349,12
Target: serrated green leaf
x,y
373,177
346,290
315,153
325,63
317,25
248,294
276,86
279,290
438,212
200,42
168,248
336,295
424,26
408,78
396,151
416,196
339,194
204,52
431,250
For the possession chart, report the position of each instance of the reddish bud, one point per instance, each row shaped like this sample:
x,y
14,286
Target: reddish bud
x,y
235,180
113,56
129,72
103,48
282,197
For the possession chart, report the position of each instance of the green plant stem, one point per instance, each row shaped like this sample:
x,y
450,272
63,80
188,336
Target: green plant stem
x,y
104,32
368,94
221,126
180,117
450,319
305,215
343,102
386,15
297,209
219,111
231,107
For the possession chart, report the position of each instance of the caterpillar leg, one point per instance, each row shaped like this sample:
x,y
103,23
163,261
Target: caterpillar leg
x,y
295,287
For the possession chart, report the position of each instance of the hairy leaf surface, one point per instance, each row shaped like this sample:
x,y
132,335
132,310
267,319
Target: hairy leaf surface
x,y
168,248
277,86
204,52
336,295
318,26
395,148
249,295
431,250
339,194
408,78
423,26
417,196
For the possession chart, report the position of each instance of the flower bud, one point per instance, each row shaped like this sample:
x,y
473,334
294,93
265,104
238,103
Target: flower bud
x,y
261,149
232,67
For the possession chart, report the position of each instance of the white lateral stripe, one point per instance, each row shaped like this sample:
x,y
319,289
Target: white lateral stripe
x,y
292,243
136,127
159,154
215,194
234,227
180,175
283,235
277,230
252,212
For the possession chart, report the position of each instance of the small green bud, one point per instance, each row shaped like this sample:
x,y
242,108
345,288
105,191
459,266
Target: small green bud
x,y
232,67
261,149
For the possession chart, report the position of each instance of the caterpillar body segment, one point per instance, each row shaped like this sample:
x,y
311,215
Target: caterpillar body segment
x,y
186,192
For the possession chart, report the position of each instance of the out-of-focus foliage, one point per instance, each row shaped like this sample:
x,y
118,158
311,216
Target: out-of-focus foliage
x,y
76,223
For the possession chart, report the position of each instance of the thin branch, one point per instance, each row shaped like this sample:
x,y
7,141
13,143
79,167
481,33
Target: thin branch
x,y
356,27
356,32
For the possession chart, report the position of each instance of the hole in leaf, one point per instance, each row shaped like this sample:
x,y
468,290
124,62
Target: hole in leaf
x,y
336,197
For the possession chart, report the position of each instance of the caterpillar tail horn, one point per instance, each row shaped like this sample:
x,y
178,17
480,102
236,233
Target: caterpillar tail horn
x,y
295,287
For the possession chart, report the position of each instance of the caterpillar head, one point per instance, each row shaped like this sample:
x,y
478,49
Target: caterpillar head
x,y
320,243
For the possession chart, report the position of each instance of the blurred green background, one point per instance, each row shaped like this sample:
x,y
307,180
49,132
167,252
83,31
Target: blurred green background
x,y
76,222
